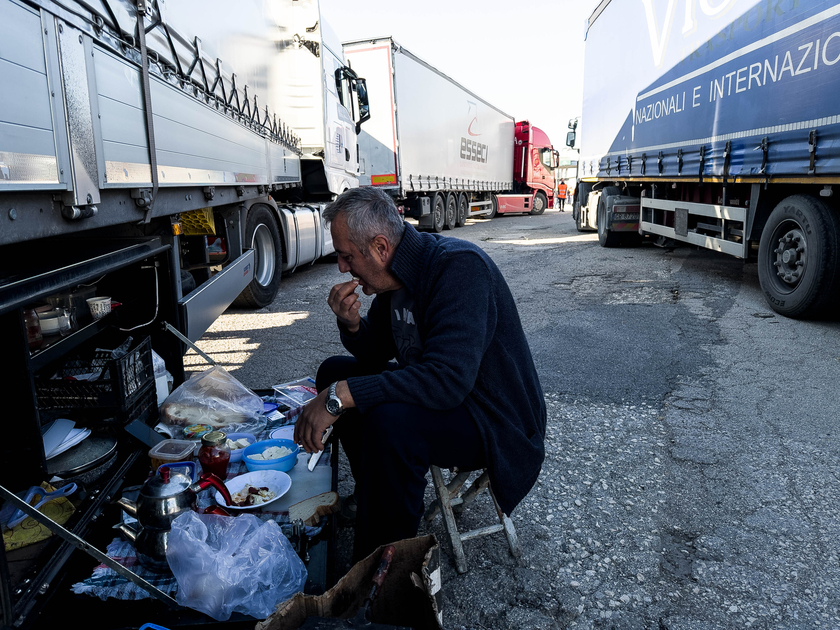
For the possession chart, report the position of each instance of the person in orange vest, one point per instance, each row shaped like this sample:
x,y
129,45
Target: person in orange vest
x,y
561,193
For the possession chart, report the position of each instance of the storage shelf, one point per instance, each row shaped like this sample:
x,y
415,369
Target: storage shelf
x,y
81,261
41,358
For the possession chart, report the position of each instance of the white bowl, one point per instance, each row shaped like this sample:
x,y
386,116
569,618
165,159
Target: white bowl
x,y
276,481
236,454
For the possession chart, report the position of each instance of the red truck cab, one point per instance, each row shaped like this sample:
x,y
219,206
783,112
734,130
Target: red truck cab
x,y
534,161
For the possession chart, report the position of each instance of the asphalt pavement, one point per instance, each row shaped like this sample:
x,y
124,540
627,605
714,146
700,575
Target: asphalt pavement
x,y
691,476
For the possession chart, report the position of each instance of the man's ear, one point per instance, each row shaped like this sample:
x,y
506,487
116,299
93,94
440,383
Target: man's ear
x,y
381,247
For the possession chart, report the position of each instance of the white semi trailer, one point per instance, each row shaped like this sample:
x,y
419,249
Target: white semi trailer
x,y
440,150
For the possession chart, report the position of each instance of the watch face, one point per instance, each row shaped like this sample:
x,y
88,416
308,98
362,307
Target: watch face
x,y
333,406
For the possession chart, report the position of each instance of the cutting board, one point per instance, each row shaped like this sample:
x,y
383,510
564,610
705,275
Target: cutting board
x,y
305,484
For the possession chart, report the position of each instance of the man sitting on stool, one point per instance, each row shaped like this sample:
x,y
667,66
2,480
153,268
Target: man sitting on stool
x,y
440,371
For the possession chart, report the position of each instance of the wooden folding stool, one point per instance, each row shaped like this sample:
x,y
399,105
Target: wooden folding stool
x,y
449,497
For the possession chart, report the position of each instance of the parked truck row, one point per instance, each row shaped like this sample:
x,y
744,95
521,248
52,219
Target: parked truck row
x,y
442,152
248,116
718,126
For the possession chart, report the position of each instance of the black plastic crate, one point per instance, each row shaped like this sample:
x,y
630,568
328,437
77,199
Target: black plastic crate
x,y
122,383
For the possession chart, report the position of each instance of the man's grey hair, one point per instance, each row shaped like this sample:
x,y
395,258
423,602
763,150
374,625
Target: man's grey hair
x,y
369,212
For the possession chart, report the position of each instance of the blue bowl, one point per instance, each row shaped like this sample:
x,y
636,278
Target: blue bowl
x,y
283,464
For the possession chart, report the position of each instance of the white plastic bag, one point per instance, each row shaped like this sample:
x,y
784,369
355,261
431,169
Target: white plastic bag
x,y
229,564
216,400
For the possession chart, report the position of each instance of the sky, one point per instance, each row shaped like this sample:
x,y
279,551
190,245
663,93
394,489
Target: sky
x,y
525,58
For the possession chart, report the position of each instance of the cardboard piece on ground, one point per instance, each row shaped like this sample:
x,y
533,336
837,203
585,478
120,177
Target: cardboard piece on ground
x,y
408,597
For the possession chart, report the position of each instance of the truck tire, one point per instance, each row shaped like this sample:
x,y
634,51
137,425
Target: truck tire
x,y
451,212
606,238
540,203
263,236
494,206
438,212
577,214
463,210
798,258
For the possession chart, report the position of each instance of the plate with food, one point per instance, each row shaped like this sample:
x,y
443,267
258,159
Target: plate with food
x,y
255,489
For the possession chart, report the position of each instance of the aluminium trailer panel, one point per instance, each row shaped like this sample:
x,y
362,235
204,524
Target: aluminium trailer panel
x,y
740,88
72,114
445,136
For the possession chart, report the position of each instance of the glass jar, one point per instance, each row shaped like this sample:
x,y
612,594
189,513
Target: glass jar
x,y
214,454
33,329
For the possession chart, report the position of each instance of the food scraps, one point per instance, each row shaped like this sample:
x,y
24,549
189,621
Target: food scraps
x,y
251,495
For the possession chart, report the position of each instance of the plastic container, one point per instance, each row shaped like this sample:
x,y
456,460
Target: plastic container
x,y
171,452
283,464
122,383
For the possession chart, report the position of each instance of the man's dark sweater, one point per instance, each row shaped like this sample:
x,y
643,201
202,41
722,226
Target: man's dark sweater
x,y
474,352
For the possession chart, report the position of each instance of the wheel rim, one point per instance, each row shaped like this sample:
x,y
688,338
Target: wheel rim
x,y
789,259
451,211
263,246
462,210
438,211
538,203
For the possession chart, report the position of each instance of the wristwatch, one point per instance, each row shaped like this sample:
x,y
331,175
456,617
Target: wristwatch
x,y
333,404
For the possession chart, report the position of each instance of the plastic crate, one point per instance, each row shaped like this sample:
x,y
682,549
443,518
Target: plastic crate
x,y
198,222
124,387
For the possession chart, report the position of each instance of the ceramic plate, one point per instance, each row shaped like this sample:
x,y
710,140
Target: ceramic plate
x,y
276,481
283,433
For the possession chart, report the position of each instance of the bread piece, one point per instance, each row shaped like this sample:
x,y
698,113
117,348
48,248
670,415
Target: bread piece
x,y
185,415
312,509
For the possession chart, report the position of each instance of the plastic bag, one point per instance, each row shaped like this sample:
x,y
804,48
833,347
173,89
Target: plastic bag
x,y
212,400
229,564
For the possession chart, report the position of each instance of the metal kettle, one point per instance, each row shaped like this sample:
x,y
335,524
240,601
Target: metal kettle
x,y
162,499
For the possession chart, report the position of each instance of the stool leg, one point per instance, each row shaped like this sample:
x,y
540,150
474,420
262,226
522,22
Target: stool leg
x,y
510,532
473,491
452,489
449,520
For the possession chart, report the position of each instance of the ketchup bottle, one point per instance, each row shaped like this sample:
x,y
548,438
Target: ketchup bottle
x,y
214,454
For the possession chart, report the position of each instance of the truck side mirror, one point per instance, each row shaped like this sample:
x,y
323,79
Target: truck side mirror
x,y
570,139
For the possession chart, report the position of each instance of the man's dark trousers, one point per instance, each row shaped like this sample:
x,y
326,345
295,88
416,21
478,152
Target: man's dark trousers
x,y
390,448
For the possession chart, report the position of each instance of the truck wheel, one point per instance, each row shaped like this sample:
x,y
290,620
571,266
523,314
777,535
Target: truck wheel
x,y
262,235
463,210
798,259
606,237
451,212
540,203
438,212
494,206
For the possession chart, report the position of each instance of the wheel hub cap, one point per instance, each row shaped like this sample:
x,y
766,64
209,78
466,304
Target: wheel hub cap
x,y
791,256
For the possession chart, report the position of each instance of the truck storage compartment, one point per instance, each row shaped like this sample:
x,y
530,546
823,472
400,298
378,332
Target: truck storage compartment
x,y
123,387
